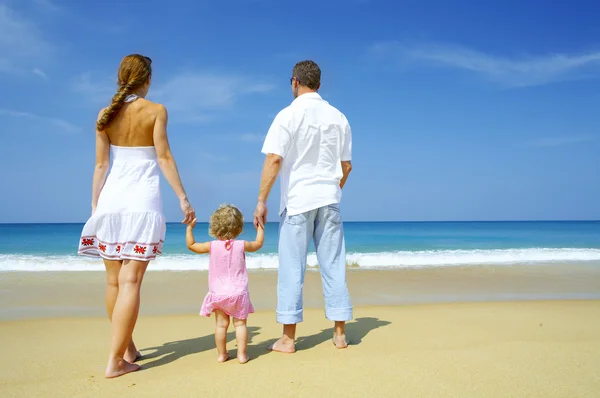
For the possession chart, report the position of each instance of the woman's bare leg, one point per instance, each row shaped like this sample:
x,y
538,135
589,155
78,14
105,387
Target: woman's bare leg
x,y
241,335
124,316
222,321
113,267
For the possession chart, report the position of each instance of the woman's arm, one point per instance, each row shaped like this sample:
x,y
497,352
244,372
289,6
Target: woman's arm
x,y
201,248
102,164
258,242
167,163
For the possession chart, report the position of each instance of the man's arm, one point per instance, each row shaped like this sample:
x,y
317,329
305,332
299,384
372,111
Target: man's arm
x,y
276,145
271,169
346,169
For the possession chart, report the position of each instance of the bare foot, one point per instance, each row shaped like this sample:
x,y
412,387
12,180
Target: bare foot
x,y
119,367
340,341
287,347
223,357
243,359
132,354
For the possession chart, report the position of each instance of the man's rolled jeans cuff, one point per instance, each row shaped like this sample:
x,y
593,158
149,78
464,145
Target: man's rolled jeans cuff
x,y
290,317
339,314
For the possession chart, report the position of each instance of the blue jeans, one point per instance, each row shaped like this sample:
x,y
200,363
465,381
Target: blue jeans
x,y
324,225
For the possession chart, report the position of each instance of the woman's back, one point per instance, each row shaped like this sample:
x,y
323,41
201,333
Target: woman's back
x,y
133,126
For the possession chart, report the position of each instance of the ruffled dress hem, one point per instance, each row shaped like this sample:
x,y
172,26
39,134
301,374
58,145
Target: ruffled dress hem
x,y
129,236
237,306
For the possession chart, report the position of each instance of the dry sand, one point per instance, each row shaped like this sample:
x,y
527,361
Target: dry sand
x,y
518,349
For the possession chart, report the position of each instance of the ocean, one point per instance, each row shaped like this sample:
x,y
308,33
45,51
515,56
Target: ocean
x,y
53,247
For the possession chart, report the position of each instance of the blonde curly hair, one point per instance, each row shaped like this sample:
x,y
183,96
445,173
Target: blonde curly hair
x,y
226,223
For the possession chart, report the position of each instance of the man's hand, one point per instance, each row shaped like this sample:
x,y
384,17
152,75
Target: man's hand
x,y
260,215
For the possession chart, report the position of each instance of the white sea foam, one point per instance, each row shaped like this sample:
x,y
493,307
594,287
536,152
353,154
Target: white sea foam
x,y
400,259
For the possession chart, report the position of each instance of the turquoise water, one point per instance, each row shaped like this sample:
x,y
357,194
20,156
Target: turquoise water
x,y
44,247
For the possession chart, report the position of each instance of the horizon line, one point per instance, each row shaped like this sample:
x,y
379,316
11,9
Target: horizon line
x,y
351,221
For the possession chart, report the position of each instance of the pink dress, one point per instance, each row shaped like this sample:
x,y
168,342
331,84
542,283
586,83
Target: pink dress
x,y
227,280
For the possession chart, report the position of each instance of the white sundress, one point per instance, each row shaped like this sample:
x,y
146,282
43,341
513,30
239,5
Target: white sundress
x,y
128,222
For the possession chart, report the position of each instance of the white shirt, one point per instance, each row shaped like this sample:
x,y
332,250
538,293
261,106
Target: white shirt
x,y
313,138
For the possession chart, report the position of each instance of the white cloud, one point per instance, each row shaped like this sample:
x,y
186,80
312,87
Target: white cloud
x,y
21,42
507,71
40,73
554,142
98,91
62,125
192,97
195,96
251,137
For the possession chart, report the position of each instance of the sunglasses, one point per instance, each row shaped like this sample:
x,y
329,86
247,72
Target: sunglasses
x,y
294,78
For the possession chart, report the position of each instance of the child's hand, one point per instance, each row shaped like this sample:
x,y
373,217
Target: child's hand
x,y
192,224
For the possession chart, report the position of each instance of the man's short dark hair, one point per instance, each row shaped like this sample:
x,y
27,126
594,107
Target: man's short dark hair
x,y
308,74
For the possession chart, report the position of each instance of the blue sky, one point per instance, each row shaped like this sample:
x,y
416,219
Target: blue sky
x,y
474,111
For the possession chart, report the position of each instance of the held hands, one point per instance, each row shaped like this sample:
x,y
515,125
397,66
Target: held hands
x,y
192,224
260,215
188,211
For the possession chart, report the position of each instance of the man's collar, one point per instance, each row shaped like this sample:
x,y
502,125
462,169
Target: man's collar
x,y
309,95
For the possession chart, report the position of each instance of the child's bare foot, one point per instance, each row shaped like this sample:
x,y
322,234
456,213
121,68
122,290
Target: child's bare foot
x,y
340,341
243,358
223,357
285,345
119,367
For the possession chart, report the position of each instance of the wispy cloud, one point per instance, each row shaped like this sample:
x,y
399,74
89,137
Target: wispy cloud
x,y
560,141
195,96
251,137
40,73
21,42
192,97
97,90
507,71
60,124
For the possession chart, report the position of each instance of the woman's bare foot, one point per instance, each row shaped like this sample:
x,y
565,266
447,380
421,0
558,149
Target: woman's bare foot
x,y
340,341
119,367
285,345
132,354
243,358
223,357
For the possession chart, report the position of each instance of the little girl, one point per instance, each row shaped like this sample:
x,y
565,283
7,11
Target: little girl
x,y
227,276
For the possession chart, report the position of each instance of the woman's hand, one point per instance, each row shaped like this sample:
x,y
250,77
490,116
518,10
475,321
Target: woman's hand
x,y
188,211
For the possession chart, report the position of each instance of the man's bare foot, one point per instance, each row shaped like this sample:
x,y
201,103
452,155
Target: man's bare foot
x,y
223,357
286,346
243,358
119,367
340,341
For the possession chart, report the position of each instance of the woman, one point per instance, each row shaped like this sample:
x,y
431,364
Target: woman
x,y
127,227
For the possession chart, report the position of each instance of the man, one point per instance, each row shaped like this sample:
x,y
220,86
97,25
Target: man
x,y
310,143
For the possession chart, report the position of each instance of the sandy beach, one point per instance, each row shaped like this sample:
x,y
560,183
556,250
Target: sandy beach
x,y
57,346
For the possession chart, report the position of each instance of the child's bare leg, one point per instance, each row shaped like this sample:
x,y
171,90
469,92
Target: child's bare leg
x,y
222,320
241,335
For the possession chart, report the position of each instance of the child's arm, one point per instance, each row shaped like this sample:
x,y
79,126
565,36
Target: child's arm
x,y
258,242
201,248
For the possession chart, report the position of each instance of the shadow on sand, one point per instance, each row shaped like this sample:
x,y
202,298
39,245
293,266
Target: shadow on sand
x,y
355,333
174,350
